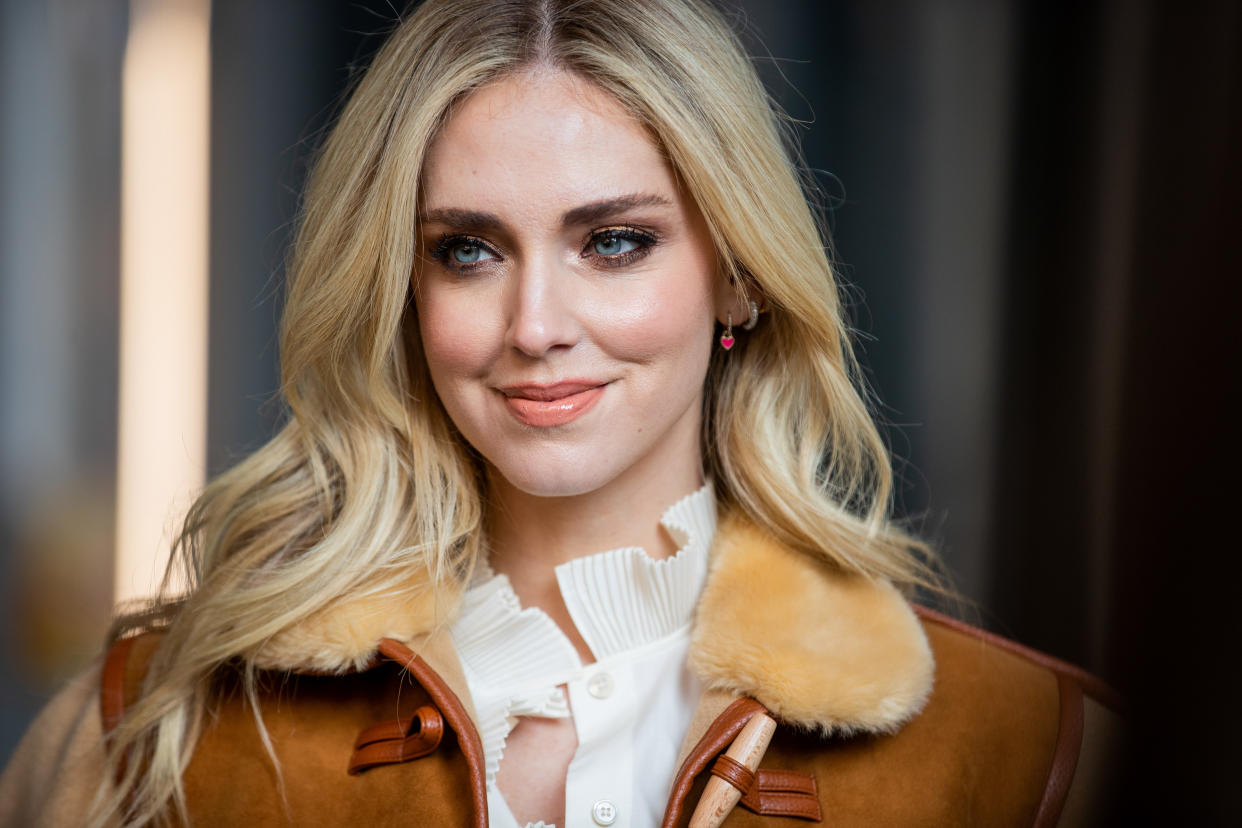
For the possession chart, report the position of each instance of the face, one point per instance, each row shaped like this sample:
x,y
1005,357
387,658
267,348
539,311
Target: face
x,y
567,290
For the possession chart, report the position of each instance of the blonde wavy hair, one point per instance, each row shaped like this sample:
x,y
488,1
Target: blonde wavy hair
x,y
368,479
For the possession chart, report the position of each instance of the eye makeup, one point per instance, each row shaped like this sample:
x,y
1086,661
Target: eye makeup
x,y
642,241
448,251
463,252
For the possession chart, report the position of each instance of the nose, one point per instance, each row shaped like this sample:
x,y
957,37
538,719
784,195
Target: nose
x,y
542,315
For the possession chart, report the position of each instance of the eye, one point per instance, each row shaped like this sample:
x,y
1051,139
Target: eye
x,y
619,246
612,244
468,252
462,252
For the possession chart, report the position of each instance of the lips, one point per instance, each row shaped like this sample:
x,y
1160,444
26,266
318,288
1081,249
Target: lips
x,y
553,404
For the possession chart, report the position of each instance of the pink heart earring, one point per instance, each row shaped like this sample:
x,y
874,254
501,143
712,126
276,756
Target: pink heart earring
x,y
726,338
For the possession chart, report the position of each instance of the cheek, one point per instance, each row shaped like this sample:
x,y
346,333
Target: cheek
x,y
671,323
653,331
457,339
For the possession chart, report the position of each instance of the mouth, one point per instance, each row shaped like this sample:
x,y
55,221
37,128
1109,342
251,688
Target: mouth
x,y
546,405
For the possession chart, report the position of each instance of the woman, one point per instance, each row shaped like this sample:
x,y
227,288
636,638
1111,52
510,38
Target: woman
x,y
557,290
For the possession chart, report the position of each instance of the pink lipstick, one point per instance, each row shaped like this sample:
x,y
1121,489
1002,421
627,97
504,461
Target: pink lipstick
x,y
554,404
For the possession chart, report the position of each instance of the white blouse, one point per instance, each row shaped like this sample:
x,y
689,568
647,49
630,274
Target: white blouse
x,y
632,707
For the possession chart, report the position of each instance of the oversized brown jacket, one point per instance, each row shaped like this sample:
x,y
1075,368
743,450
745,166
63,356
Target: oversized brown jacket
x,y
887,715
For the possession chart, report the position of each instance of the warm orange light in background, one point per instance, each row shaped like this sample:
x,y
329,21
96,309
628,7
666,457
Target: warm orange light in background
x,y
162,440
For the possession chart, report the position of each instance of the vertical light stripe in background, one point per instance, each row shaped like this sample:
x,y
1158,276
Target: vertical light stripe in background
x,y
162,436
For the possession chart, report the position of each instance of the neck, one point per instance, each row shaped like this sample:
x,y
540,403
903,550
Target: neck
x,y
530,535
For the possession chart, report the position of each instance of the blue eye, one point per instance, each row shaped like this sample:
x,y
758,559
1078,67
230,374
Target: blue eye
x,y
615,247
613,244
462,252
470,253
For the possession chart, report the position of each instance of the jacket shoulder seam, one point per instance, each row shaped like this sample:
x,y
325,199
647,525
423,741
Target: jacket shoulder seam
x,y
1088,683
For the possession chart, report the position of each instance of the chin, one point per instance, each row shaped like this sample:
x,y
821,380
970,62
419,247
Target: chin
x,y
563,478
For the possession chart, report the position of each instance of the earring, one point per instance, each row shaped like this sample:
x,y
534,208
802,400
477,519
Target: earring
x,y
726,338
754,316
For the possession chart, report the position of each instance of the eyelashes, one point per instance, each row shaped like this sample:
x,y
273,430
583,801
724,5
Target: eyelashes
x,y
607,248
457,251
620,246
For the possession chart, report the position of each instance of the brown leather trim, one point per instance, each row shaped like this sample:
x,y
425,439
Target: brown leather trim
x,y
784,793
1092,685
734,772
112,683
1065,757
717,737
387,731
799,806
402,740
453,710
790,781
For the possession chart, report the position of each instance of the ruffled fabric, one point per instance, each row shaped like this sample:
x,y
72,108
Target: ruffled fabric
x,y
508,654
515,659
623,598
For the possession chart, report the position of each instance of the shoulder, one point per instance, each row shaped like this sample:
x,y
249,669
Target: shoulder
x,y
57,768
1007,736
957,639
325,732
914,717
1020,701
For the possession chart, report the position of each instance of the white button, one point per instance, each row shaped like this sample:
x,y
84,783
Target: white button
x,y
600,686
604,812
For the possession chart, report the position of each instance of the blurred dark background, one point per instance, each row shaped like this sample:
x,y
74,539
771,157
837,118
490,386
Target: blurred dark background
x,y
1035,206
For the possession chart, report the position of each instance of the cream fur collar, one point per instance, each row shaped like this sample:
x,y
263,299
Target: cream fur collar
x,y
820,649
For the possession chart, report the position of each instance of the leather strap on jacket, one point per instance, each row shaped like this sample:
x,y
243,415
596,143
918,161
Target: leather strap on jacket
x,y
717,737
452,710
399,740
770,792
124,669
120,682
734,772
1065,756
112,700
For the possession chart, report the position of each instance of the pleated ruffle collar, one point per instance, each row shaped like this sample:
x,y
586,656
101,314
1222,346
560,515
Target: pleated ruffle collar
x,y
621,600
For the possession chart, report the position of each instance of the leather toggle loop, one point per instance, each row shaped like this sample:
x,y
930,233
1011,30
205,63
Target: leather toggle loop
x,y
734,772
399,740
786,793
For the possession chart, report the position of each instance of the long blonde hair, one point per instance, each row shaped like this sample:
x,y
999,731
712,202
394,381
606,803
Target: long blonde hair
x,y
368,479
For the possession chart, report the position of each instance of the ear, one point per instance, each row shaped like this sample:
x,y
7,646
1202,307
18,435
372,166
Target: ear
x,y
734,295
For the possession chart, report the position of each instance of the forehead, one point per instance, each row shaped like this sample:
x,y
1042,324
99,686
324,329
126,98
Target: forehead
x,y
541,139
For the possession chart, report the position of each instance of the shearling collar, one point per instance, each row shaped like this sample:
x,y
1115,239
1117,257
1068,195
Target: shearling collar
x,y
821,649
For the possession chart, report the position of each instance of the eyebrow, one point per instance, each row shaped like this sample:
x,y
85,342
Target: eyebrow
x,y
599,210
455,217
591,213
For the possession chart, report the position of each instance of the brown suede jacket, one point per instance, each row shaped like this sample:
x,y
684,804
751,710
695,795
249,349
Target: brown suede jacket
x,y
887,715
